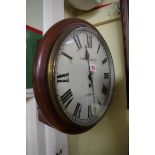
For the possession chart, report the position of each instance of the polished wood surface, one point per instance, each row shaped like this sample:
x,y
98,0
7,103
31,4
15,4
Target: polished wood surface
x,y
47,111
125,24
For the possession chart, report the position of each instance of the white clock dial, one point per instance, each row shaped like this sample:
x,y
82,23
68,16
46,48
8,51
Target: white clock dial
x,y
84,76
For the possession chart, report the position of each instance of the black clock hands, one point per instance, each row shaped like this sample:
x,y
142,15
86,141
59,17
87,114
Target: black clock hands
x,y
92,84
90,76
87,58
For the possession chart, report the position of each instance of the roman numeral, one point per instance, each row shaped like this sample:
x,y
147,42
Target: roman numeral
x,y
77,41
66,98
69,101
67,56
98,48
104,90
63,77
89,111
106,75
89,40
104,61
77,110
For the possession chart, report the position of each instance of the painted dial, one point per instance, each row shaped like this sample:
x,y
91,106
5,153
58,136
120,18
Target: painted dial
x,y
83,76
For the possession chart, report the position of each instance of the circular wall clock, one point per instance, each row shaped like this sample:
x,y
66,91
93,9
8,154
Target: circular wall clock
x,y
73,76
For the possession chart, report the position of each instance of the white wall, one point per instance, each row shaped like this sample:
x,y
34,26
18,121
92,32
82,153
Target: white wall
x,y
34,13
31,128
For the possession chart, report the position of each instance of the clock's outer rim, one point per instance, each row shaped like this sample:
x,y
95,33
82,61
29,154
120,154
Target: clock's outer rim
x,y
40,82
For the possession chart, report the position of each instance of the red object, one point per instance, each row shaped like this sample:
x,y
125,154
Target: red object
x,y
100,6
33,29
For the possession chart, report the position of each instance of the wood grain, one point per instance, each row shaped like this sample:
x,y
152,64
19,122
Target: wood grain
x,y
47,111
125,24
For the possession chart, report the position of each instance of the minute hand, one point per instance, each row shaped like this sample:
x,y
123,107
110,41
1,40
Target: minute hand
x,y
90,76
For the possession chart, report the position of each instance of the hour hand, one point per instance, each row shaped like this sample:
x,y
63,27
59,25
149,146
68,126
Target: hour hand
x,y
90,76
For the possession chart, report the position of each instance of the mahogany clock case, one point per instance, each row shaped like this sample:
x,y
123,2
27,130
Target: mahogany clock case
x,y
48,112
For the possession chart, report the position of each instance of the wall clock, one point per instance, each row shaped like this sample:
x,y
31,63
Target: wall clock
x,y
73,76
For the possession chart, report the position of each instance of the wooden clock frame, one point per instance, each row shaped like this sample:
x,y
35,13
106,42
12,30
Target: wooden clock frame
x,y
46,110
125,25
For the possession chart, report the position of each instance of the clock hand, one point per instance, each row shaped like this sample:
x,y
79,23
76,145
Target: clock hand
x,y
91,80
90,76
87,58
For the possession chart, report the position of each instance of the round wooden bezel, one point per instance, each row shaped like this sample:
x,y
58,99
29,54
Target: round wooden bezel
x,y
40,77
